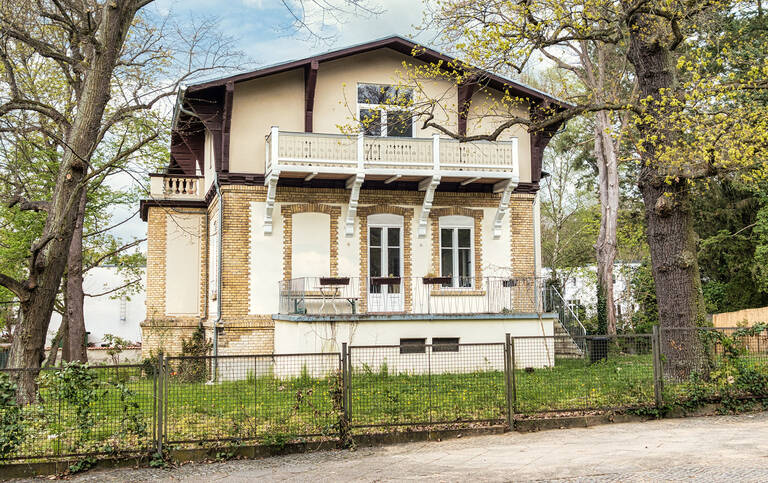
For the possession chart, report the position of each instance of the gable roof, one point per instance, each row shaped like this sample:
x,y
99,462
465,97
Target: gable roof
x,y
396,43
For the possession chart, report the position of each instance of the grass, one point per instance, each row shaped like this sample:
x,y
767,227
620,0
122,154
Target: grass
x,y
264,408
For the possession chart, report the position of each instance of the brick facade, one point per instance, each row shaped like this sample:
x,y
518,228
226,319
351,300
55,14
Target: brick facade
x,y
246,333
161,332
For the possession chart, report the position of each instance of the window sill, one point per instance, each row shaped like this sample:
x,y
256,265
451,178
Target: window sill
x,y
457,292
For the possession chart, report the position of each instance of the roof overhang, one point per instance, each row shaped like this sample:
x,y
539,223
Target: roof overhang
x,y
396,43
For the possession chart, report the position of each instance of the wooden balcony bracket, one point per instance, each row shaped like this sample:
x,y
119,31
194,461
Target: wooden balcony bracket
x,y
506,188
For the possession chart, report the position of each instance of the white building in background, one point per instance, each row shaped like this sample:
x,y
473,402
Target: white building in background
x,y
580,288
115,313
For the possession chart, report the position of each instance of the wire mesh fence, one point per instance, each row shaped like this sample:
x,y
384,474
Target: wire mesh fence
x,y
277,398
251,397
714,363
81,411
418,383
553,373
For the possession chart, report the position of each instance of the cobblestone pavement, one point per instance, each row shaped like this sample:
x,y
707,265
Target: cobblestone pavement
x,y
702,449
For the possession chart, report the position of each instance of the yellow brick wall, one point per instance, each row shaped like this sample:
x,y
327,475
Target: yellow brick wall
x,y
161,332
245,333
522,249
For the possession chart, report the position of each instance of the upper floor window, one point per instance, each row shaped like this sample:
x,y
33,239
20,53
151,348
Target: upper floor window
x,y
382,110
456,250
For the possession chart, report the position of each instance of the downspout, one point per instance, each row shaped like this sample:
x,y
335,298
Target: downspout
x,y
219,237
179,107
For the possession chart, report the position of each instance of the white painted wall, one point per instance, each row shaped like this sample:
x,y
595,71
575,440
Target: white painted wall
x,y
209,162
349,248
318,336
213,262
182,264
103,314
266,260
311,245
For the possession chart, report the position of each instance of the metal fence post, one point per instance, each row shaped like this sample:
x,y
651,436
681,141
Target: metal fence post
x,y
508,378
512,373
657,369
159,378
345,381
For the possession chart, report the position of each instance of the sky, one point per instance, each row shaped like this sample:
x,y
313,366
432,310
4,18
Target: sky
x,y
263,31
263,27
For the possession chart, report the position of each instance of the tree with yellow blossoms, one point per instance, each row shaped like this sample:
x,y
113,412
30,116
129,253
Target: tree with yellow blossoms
x,y
693,116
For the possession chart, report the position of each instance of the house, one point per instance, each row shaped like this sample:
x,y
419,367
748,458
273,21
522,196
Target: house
x,y
579,289
109,308
279,232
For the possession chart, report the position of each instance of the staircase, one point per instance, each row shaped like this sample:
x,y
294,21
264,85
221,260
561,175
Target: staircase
x,y
569,331
565,345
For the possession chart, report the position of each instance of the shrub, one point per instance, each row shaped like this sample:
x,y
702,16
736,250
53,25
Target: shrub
x,y
11,423
194,369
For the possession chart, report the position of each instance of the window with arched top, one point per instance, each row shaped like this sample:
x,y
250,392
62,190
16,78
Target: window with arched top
x,y
457,250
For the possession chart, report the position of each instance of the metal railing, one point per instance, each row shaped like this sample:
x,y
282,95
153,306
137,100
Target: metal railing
x,y
410,295
554,302
274,399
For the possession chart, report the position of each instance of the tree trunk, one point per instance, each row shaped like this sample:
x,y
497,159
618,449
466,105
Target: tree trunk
x,y
671,238
608,178
74,290
57,340
49,253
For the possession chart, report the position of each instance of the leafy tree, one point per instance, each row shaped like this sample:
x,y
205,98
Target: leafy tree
x,y
692,118
113,63
569,225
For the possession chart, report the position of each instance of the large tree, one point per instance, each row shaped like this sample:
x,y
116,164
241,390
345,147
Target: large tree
x,y
114,63
689,113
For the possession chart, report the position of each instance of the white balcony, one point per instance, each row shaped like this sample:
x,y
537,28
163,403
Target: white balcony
x,y
338,156
359,158
175,187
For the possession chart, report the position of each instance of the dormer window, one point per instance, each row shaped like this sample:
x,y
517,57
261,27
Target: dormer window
x,y
383,110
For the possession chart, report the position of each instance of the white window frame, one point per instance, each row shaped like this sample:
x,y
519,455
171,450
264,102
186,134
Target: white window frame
x,y
453,223
383,108
386,221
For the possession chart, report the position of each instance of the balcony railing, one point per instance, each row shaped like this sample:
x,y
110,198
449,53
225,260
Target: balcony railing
x,y
172,186
338,153
324,296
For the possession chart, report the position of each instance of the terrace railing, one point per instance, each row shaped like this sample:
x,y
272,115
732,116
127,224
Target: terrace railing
x,y
174,186
325,296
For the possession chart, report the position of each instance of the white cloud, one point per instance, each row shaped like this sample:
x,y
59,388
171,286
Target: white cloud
x,y
259,4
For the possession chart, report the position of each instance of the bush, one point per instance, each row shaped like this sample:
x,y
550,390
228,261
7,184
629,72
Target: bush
x,y
194,369
11,424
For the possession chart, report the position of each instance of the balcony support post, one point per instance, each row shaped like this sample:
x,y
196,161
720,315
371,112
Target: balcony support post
x,y
429,185
506,188
270,182
355,183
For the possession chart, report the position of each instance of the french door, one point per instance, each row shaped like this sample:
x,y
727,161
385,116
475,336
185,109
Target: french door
x,y
385,261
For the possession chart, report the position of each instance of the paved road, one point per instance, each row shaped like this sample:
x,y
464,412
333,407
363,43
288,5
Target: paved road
x,y
706,449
